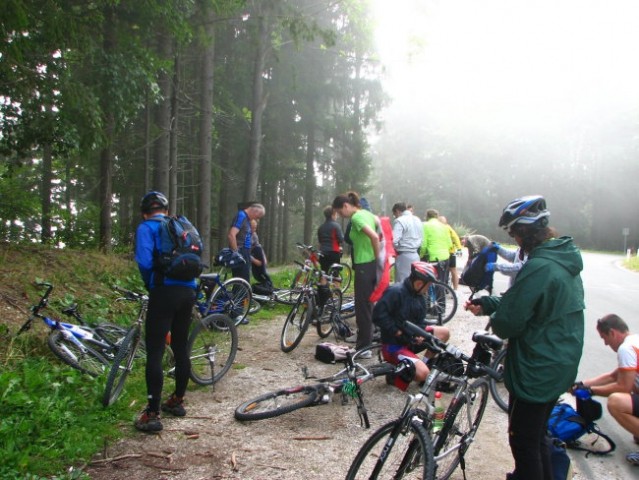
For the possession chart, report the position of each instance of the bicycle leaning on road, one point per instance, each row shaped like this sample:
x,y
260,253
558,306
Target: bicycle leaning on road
x,y
212,346
415,445
347,382
88,349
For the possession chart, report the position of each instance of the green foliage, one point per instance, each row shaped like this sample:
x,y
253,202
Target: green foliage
x,y
52,415
632,263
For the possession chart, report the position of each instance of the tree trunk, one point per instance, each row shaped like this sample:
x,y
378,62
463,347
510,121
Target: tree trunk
x,y
207,64
163,124
106,154
309,187
259,104
45,193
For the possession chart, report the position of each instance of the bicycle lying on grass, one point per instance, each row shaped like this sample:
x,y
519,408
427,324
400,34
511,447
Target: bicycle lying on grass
x,y
212,347
89,349
347,382
415,445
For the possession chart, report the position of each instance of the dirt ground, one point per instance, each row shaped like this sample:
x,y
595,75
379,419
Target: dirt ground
x,y
311,443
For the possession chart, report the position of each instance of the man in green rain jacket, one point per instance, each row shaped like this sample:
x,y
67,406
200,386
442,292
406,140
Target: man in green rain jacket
x,y
542,317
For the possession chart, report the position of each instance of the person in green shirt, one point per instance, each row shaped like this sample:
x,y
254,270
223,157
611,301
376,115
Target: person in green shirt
x,y
436,244
366,249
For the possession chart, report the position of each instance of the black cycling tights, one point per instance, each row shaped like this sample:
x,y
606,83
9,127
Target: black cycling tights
x,y
527,437
170,309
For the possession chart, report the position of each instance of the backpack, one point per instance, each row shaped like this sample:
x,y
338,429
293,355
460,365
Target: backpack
x,y
327,352
559,460
568,425
181,248
474,274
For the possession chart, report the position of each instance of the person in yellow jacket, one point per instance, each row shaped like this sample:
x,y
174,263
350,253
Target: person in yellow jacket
x,y
452,260
436,244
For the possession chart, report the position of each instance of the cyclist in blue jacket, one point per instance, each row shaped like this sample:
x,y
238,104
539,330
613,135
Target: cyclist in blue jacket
x,y
170,307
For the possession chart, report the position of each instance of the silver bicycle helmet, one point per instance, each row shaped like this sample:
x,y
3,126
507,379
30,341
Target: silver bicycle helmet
x,y
524,211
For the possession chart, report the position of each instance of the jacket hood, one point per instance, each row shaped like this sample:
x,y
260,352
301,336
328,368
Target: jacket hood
x,y
562,251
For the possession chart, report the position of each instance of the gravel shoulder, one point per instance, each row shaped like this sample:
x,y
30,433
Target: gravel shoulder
x,y
311,443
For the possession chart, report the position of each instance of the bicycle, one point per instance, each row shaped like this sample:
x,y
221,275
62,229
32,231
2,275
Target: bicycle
x,y
414,445
232,297
79,346
441,303
212,346
307,310
342,272
347,382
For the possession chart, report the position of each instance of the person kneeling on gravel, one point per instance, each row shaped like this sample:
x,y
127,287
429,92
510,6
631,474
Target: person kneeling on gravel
x,y
406,302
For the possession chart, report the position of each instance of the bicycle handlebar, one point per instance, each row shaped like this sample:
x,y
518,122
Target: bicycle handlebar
x,y
130,295
452,350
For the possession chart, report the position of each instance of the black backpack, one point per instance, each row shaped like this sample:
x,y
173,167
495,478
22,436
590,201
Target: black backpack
x,y
181,248
474,274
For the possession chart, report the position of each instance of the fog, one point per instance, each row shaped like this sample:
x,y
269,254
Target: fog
x,y
500,98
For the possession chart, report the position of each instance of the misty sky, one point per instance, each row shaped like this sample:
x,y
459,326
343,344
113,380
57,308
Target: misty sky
x,y
529,64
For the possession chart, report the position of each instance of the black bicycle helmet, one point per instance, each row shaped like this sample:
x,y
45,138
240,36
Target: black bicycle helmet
x,y
154,201
228,258
423,271
524,211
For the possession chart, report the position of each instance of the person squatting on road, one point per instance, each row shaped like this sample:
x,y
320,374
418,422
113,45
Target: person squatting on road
x,y
542,317
403,302
170,307
621,386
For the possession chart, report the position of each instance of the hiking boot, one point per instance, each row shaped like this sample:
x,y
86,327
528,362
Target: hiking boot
x,y
175,406
148,422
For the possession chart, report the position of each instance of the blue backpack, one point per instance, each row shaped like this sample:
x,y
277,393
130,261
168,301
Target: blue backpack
x,y
181,249
474,274
568,425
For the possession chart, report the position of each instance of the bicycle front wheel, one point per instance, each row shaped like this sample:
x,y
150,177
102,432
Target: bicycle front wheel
x,y
122,365
441,303
77,355
274,404
459,429
325,322
212,348
393,454
498,387
296,323
232,298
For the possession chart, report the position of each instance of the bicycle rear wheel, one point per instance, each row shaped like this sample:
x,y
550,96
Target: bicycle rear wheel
x,y
296,323
212,348
277,403
498,387
122,365
81,357
391,454
459,429
345,275
232,298
332,307
441,303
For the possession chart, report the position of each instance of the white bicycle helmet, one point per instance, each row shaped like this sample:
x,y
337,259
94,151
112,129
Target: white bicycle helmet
x,y
524,211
